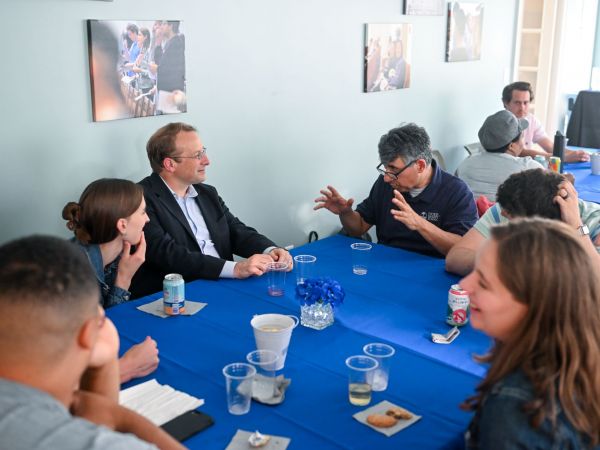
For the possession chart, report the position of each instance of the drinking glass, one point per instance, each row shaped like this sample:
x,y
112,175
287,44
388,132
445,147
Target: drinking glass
x,y
276,278
360,378
361,252
383,354
239,378
264,361
304,265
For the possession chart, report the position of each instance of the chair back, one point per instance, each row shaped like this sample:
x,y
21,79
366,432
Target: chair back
x,y
584,124
439,159
474,148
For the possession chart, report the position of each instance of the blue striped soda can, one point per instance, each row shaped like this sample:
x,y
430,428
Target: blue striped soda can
x,y
174,294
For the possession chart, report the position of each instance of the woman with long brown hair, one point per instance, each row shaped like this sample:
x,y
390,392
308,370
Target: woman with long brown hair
x,y
536,291
107,222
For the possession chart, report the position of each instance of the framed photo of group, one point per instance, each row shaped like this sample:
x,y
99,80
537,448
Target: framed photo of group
x,y
387,57
137,68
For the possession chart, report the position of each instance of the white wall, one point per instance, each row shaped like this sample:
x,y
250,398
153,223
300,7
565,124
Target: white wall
x,y
274,87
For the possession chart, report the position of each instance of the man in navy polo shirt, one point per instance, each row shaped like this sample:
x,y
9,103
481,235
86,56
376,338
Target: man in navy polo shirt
x,y
414,204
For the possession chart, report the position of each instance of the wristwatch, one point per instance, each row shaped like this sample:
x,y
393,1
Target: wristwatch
x,y
583,230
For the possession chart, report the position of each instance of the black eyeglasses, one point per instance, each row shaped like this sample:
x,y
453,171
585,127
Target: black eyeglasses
x,y
392,175
199,155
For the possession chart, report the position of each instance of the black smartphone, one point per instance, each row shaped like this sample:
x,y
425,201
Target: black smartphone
x,y
187,424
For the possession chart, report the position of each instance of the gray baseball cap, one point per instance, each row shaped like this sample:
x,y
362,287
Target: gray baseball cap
x,y
500,129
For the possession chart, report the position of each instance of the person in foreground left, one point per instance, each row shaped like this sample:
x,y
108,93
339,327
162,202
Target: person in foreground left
x,y
542,389
59,376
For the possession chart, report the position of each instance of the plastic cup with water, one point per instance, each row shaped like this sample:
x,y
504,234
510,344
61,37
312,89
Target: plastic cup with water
x,y
238,381
276,278
383,354
360,378
304,266
361,254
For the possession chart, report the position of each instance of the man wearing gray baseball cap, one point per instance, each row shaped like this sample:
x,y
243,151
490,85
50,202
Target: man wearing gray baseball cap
x,y
501,135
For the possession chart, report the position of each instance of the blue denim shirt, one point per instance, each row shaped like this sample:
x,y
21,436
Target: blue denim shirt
x,y
501,423
111,295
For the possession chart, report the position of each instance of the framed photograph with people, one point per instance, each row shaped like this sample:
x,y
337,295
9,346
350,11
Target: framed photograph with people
x,y
465,21
387,56
137,68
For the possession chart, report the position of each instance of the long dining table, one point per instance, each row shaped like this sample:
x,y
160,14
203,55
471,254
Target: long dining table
x,y
400,301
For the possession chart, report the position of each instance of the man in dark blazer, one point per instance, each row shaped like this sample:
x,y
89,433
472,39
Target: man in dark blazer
x,y
191,230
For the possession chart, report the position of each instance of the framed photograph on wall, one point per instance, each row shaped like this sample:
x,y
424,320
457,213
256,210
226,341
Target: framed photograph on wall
x,y
465,21
387,56
424,7
137,68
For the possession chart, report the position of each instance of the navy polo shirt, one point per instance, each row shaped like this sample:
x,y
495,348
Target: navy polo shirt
x,y
447,202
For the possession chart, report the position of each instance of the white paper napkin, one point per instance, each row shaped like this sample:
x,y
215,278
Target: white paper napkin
x,y
156,308
157,402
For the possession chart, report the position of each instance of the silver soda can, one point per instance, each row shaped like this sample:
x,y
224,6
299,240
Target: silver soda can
x,y
173,294
458,306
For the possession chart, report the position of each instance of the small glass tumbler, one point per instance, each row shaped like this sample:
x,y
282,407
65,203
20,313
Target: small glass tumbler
x,y
304,265
383,354
361,252
276,278
239,378
360,377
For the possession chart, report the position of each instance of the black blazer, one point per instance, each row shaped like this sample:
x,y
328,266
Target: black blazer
x,y
172,247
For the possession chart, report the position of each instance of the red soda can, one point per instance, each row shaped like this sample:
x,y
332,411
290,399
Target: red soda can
x,y
457,313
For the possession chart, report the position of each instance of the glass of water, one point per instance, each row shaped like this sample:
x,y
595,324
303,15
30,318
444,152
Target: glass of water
x,y
264,361
239,378
361,252
383,354
360,378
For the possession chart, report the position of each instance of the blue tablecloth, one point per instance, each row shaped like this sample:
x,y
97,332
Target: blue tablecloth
x,y
587,185
400,301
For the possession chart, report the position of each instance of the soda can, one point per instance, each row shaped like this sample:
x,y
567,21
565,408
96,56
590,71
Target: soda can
x,y
173,294
554,164
542,160
457,314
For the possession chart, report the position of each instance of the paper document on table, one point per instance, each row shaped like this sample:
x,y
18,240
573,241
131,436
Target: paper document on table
x,y
158,403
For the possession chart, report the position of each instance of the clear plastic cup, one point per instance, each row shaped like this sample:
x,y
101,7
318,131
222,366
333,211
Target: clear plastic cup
x,y
265,362
360,378
361,253
383,354
239,378
305,267
276,278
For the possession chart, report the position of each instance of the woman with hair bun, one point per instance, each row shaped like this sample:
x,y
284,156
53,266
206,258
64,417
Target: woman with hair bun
x,y
536,291
107,222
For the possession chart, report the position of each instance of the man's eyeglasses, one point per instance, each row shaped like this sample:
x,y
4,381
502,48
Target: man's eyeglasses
x,y
393,175
198,155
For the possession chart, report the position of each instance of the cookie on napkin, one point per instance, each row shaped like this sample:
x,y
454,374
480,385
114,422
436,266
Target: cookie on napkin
x,y
381,413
